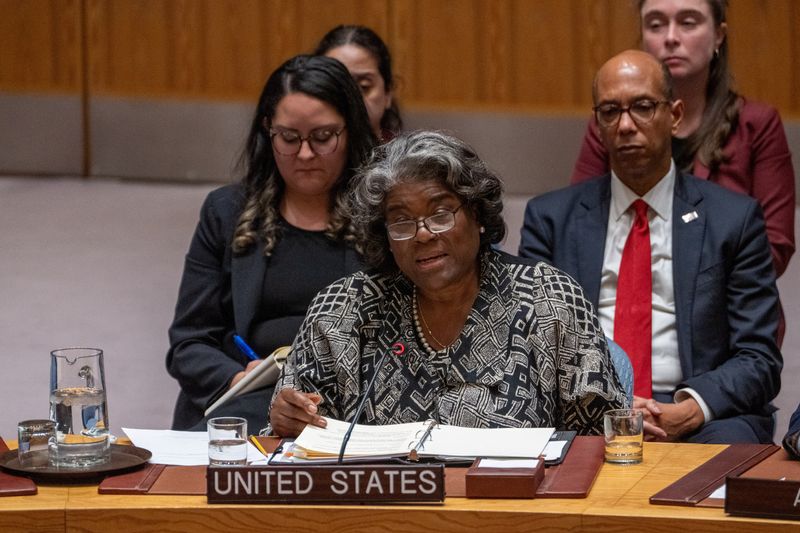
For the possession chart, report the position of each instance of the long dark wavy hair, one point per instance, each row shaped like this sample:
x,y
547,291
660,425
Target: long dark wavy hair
x,y
326,80
367,39
721,113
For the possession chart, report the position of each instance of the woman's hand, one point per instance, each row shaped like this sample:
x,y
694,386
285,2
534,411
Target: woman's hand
x,y
292,410
239,375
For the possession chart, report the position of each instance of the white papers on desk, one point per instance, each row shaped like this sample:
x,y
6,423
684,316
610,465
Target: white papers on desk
x,y
491,462
553,449
184,448
719,493
456,441
426,439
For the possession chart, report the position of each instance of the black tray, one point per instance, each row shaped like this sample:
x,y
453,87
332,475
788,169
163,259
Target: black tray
x,y
123,459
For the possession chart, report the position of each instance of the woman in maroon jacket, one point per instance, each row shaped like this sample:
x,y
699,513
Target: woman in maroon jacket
x,y
725,138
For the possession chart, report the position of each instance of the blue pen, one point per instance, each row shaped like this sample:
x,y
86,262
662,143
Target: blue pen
x,y
245,349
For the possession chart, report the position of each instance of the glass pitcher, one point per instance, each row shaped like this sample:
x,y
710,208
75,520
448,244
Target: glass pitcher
x,y
78,407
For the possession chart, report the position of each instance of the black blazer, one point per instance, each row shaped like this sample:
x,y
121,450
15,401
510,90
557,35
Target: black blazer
x,y
726,301
219,295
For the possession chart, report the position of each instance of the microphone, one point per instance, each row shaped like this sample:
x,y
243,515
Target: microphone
x,y
398,348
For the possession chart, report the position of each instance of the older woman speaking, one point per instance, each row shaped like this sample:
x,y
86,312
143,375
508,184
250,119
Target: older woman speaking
x,y
487,339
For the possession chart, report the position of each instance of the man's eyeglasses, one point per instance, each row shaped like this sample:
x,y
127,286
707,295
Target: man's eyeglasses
x,y
641,111
438,223
322,141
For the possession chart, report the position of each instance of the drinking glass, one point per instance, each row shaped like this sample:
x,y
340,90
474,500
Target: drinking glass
x,y
227,441
34,438
623,436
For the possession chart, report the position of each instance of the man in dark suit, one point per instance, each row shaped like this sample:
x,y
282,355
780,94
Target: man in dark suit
x,y
702,341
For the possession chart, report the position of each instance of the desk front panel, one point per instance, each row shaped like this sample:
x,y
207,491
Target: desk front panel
x,y
618,502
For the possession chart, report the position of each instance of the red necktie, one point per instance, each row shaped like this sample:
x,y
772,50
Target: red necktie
x,y
633,319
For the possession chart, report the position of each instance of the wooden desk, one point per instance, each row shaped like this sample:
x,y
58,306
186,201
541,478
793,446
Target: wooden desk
x,y
618,502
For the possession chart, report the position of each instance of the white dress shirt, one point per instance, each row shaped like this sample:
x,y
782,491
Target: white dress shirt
x,y
666,365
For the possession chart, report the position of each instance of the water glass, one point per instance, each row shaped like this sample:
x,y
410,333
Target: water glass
x,y
623,435
34,439
227,441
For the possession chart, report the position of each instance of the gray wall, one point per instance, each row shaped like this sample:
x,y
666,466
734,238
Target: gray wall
x,y
199,140
40,134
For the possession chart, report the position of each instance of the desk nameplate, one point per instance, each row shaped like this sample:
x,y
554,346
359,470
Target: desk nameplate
x,y
764,498
326,484
771,489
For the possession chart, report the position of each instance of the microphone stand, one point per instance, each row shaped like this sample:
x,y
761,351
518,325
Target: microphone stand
x,y
397,349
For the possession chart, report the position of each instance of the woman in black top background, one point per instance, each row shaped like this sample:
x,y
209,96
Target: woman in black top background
x,y
264,246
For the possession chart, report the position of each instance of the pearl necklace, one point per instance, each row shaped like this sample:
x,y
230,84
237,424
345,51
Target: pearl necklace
x,y
417,315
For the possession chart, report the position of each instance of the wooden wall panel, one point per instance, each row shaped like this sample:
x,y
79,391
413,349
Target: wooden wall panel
x,y
496,51
544,55
40,48
601,29
764,57
219,49
448,41
516,54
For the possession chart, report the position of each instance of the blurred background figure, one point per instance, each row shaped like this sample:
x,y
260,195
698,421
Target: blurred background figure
x,y
367,58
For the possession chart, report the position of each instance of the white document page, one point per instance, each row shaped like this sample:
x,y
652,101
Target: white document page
x,y
443,441
508,463
453,441
185,448
552,450
391,439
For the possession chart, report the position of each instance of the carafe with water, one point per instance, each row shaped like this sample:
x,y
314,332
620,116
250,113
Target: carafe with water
x,y
78,407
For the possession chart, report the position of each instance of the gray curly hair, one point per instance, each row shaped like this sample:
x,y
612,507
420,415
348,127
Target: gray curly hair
x,y
422,156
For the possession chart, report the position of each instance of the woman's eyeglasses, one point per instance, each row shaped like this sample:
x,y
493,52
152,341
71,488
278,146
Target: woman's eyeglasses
x,y
641,111
438,223
323,141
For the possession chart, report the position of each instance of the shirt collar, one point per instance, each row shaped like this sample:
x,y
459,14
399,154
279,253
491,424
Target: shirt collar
x,y
659,198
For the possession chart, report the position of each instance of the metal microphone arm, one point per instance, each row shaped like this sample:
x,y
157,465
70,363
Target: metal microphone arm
x,y
397,349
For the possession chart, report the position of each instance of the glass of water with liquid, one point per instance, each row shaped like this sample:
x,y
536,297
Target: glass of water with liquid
x,y
227,441
78,408
623,429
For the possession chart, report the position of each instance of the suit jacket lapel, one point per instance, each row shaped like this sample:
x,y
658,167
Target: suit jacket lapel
x,y
247,284
687,246
590,237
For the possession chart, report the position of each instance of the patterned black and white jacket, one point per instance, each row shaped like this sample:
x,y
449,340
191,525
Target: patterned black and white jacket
x,y
531,353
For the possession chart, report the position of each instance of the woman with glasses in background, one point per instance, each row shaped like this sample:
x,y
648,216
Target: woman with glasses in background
x,y
267,244
724,137
482,338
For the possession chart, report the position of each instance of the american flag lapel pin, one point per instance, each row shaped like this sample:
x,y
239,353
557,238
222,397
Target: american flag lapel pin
x,y
688,217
